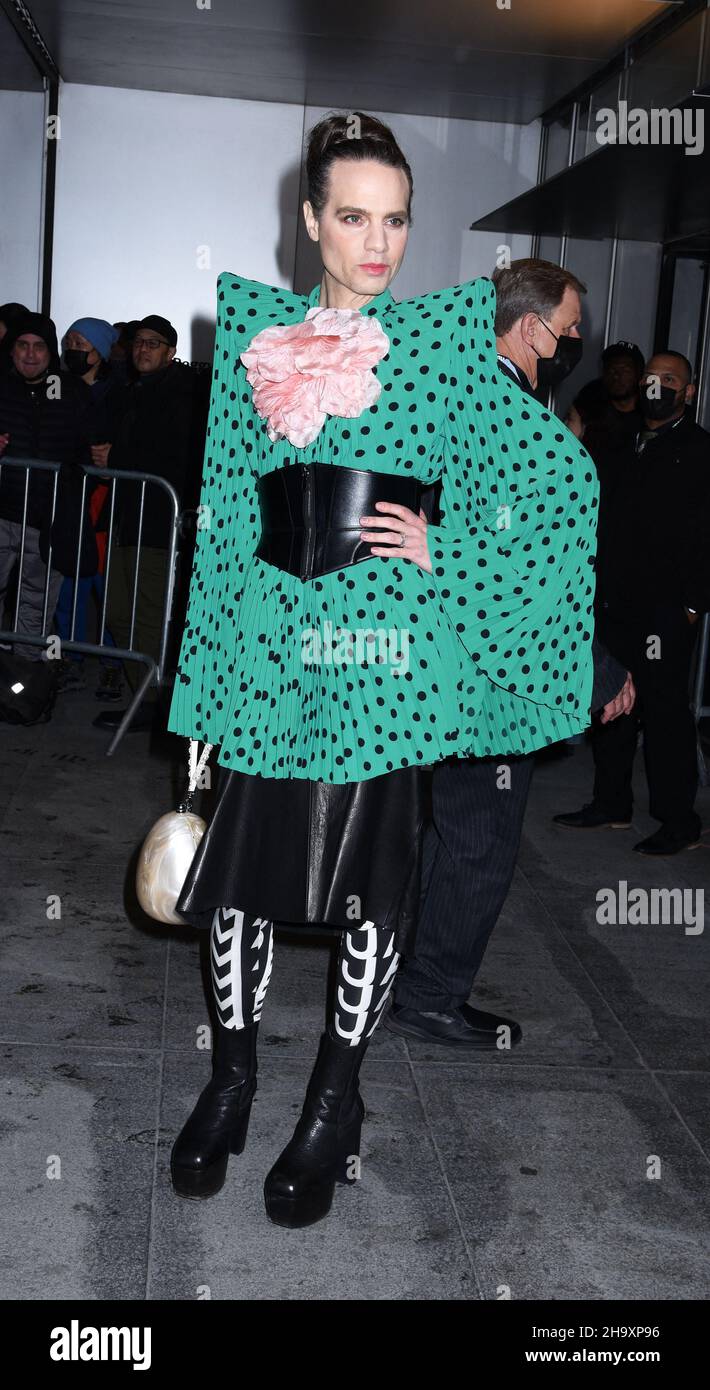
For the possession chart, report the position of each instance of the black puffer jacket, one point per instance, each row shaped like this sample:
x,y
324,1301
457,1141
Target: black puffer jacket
x,y
42,426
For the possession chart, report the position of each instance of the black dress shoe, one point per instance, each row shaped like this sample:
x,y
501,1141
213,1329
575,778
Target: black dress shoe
x,y
591,818
665,841
143,719
464,1027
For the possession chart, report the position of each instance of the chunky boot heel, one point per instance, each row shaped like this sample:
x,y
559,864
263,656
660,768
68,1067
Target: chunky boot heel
x,y
239,1133
325,1147
348,1170
219,1122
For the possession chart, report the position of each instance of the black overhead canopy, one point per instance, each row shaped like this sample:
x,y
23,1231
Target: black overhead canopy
x,y
640,192
470,59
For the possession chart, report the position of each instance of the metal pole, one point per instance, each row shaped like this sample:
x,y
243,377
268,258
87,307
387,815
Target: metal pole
x,y
48,570
48,197
610,291
704,365
107,568
701,47
72,630
699,710
542,153
572,134
138,561
21,558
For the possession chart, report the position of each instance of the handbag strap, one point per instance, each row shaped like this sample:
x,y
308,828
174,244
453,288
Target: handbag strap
x,y
196,767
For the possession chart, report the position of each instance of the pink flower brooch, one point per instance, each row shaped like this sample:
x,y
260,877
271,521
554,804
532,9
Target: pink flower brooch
x,y
302,372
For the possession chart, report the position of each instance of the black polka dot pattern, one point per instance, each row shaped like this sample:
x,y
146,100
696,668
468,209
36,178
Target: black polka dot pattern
x,y
490,654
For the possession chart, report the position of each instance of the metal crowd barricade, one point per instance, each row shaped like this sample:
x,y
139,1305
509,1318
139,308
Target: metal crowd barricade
x,y
155,670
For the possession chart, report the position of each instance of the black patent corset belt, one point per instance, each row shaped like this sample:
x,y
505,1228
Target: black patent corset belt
x,y
310,514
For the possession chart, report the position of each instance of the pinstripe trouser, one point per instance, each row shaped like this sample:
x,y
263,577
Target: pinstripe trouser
x,y
469,857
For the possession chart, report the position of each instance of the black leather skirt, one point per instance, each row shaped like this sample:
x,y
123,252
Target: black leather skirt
x,y
306,852
303,852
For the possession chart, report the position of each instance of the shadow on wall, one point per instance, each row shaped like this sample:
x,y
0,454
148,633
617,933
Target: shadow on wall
x,y
298,257
202,334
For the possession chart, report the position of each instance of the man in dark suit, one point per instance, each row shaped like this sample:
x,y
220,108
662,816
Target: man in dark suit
x,y
478,804
653,580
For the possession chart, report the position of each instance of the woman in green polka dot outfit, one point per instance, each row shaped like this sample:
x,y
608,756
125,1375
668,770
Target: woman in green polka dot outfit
x,y
337,641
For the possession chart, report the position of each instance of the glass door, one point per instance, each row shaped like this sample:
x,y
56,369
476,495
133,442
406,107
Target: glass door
x,y
682,314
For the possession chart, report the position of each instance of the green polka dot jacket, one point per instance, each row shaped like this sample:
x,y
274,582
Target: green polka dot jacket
x,y
382,665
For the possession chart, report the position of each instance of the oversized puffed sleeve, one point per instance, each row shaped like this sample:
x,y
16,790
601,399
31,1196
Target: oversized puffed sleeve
x,y
228,525
513,560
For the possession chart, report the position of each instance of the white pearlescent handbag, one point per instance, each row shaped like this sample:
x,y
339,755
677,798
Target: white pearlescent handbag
x,y
169,849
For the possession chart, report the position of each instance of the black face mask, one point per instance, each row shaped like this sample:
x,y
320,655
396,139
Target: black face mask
x,y
567,355
659,406
75,361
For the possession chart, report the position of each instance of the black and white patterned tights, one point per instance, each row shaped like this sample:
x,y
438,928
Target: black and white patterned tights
x,y
241,953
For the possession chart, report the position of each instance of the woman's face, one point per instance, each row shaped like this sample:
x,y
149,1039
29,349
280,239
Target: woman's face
x,y
77,342
363,228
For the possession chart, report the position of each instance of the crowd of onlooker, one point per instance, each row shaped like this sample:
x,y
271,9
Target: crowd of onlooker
x,y
116,397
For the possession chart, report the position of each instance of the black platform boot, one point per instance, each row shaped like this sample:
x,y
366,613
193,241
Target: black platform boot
x,y
219,1121
325,1147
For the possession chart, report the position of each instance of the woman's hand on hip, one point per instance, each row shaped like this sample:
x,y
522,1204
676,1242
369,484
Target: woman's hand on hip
x,y
399,532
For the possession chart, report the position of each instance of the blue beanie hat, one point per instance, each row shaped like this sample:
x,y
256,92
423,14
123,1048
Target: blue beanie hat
x,y
98,332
